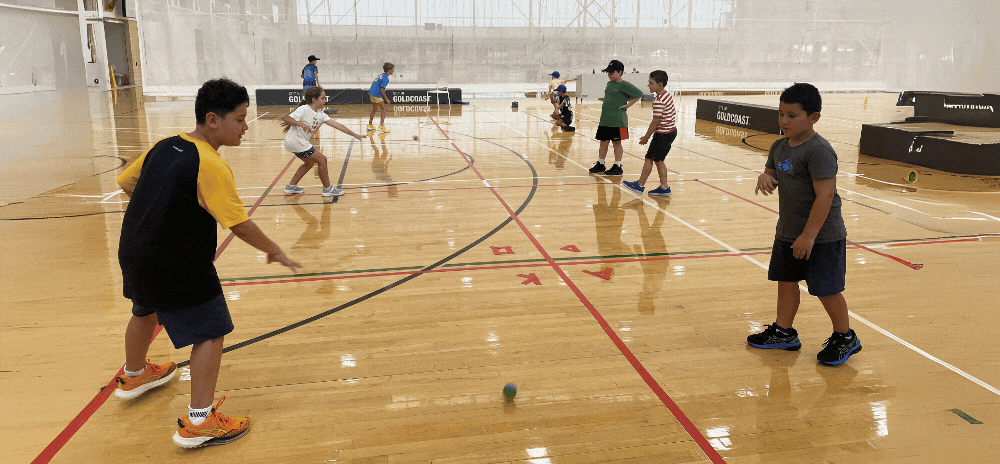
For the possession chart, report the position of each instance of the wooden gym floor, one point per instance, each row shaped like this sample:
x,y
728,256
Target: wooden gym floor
x,y
622,320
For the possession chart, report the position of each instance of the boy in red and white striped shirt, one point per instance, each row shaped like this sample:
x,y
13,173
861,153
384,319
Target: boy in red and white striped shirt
x,y
663,128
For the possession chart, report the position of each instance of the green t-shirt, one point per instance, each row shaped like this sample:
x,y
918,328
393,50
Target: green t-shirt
x,y
617,94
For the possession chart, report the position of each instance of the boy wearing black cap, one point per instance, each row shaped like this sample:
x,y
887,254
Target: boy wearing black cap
x,y
619,95
310,74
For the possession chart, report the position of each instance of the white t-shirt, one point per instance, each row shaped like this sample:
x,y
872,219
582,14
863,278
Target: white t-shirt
x,y
297,141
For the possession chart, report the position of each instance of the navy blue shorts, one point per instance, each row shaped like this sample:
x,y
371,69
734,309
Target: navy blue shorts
x,y
567,119
824,272
196,324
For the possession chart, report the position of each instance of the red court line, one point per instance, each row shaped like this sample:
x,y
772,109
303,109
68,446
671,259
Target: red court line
x,y
692,431
914,266
74,425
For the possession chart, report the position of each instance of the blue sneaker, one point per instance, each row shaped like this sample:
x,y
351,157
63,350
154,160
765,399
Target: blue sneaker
x,y
659,192
634,186
838,348
772,338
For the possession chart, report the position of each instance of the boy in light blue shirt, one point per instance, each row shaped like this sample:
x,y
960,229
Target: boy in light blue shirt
x,y
377,95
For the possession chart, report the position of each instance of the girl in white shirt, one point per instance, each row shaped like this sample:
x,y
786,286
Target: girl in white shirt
x,y
300,126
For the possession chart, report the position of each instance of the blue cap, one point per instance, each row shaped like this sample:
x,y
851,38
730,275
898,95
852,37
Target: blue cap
x,y
561,88
555,74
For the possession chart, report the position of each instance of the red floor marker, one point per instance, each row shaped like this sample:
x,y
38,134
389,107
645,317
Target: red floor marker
x,y
605,274
502,250
572,248
531,279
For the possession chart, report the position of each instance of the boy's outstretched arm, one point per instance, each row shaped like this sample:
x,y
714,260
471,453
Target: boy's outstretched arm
x,y
825,190
649,132
344,129
250,233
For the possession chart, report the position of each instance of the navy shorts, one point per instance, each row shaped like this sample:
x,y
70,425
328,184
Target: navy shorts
x,y
660,145
614,134
196,324
307,153
824,272
567,119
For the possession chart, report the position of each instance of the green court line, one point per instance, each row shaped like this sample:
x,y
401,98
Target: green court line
x,y
532,260
965,416
480,263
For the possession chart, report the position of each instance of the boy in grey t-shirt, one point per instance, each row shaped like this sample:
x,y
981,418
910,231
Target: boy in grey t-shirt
x,y
810,241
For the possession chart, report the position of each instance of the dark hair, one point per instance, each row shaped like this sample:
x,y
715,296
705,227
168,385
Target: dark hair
x,y
659,76
387,66
220,96
308,97
805,95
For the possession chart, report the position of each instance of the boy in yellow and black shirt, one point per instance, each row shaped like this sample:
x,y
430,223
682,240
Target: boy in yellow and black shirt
x,y
179,189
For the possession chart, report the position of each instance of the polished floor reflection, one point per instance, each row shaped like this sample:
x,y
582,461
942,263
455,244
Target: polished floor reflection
x,y
472,250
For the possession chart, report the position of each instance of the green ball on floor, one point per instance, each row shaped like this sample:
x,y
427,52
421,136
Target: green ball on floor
x,y
509,391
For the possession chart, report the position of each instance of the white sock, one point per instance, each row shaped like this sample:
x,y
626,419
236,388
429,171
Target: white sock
x,y
618,163
197,416
600,161
135,373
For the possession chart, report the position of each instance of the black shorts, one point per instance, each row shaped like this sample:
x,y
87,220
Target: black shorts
x,y
567,119
307,153
196,324
614,134
660,145
824,272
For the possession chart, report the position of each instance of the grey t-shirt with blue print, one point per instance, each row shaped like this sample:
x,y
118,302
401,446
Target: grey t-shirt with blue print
x,y
795,170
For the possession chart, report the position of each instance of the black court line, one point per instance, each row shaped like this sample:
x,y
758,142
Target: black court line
x,y
343,171
262,205
527,200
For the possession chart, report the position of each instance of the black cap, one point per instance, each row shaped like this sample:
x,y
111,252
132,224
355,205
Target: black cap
x,y
613,66
313,58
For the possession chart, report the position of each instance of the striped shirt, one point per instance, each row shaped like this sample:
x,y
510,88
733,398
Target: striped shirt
x,y
663,108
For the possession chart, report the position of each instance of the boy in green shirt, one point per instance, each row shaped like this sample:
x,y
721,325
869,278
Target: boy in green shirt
x,y
618,97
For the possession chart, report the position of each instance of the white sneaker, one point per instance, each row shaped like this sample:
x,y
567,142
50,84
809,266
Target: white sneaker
x,y
294,189
332,192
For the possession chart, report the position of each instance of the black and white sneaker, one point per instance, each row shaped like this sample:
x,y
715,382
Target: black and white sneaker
x,y
616,170
773,338
838,348
598,168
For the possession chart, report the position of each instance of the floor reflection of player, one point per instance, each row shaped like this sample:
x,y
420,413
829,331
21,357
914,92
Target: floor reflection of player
x,y
380,165
654,248
317,230
559,143
608,218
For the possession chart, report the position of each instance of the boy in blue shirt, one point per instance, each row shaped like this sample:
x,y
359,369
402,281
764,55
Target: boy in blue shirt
x,y
810,241
310,74
377,95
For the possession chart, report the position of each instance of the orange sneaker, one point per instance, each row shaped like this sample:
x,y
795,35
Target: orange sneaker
x,y
152,377
216,430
